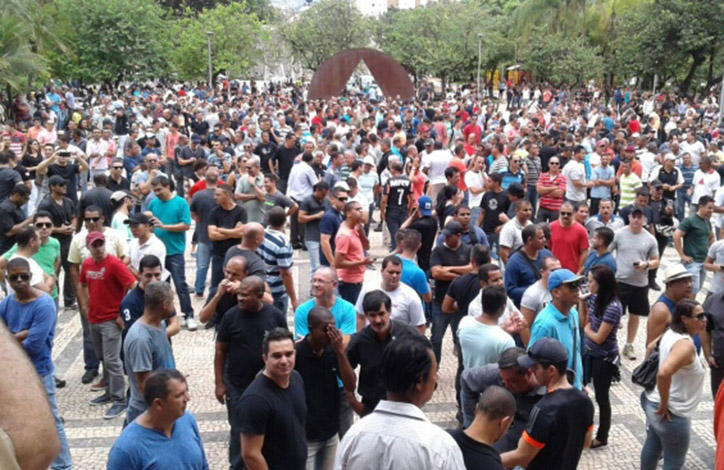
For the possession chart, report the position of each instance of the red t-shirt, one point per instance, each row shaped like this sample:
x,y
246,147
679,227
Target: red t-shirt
x,y
107,283
198,186
349,244
567,244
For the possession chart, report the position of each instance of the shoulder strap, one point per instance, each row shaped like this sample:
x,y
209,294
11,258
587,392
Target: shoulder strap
x,y
536,271
473,235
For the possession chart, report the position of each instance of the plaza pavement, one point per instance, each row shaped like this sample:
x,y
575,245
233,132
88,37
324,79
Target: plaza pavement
x,y
91,437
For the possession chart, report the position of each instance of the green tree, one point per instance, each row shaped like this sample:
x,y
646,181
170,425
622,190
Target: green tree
x,y
236,43
559,59
263,9
111,40
328,27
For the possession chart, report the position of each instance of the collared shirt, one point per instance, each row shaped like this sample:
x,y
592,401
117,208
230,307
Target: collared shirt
x,y
594,222
551,323
153,246
115,245
395,433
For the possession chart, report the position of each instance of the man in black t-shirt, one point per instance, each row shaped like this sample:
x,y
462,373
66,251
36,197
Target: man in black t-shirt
x,y
239,353
282,161
226,222
560,425
273,411
493,416
493,215
396,201
311,211
99,196
66,165
422,220
264,151
12,217
448,261
320,359
202,203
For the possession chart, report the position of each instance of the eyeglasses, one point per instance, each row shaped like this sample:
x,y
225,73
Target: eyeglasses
x,y
44,225
21,277
564,214
92,219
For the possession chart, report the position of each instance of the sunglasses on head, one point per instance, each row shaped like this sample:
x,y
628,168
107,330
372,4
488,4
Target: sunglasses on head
x,y
44,225
92,219
21,277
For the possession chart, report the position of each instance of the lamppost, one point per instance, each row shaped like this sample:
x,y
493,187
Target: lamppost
x,y
208,43
480,53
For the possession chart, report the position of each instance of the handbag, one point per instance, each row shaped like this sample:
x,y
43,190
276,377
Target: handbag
x,y
645,373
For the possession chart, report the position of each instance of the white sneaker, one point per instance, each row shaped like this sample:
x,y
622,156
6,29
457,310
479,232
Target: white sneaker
x,y
628,352
191,325
182,322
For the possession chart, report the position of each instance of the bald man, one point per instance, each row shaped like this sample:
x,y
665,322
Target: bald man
x,y
238,356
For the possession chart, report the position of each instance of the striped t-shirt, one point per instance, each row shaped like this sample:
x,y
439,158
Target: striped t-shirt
x,y
546,200
276,251
628,185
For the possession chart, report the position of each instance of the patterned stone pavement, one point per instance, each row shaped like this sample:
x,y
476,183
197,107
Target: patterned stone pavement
x,y
91,437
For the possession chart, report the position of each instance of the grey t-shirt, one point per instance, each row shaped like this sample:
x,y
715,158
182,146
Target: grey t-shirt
x,y
255,266
145,349
311,206
716,252
630,247
535,298
201,205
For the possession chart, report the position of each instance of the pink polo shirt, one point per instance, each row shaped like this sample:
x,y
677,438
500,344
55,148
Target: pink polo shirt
x,y
349,244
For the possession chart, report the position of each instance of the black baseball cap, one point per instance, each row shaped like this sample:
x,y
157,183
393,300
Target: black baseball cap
x,y
546,350
452,228
56,180
137,218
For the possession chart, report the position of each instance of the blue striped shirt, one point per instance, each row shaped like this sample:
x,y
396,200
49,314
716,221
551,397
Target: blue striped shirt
x,y
276,251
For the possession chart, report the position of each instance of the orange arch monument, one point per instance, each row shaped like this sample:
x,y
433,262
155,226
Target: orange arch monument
x,y
331,78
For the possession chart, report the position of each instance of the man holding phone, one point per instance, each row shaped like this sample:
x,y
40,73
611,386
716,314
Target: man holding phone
x,y
349,258
67,164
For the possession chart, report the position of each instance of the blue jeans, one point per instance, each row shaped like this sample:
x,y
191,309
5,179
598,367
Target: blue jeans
x,y
670,437
281,302
313,251
203,257
217,273
440,322
349,292
63,460
176,265
320,454
697,270
532,197
682,200
474,213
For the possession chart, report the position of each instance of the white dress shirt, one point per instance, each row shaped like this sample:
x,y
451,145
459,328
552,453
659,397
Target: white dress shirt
x,y
397,436
302,179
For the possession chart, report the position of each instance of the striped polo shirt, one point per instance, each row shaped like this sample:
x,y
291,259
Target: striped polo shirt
x,y
546,200
628,184
276,251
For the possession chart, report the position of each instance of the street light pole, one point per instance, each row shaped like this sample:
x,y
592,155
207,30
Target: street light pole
x,y
208,42
480,53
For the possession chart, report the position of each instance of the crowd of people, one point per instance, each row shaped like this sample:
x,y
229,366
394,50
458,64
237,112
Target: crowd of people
x,y
530,230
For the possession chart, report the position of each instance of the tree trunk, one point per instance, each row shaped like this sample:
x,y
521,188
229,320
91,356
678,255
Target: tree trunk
x,y
11,108
686,83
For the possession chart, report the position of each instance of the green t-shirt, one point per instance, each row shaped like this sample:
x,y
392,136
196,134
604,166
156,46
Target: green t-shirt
x,y
696,237
171,212
45,257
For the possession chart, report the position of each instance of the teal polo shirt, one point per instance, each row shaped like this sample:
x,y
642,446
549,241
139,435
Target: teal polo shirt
x,y
551,323
171,212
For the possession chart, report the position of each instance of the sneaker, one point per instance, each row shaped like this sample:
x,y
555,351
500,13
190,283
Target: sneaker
x,y
98,386
115,411
378,228
199,295
182,322
628,352
59,383
191,324
101,400
89,376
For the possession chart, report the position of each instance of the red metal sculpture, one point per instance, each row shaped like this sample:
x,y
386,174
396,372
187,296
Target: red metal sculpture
x,y
331,77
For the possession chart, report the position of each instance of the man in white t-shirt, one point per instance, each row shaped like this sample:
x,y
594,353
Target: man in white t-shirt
x,y
406,304
706,181
537,295
476,181
693,147
575,173
434,165
144,243
511,239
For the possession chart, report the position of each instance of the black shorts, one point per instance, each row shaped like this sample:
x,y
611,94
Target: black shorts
x,y
634,299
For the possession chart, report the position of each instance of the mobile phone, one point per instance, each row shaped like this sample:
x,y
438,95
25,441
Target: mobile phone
x,y
636,264
64,153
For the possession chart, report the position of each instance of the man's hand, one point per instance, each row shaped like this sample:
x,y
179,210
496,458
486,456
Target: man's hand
x,y
221,392
686,259
712,362
663,411
368,260
119,322
295,305
335,339
68,229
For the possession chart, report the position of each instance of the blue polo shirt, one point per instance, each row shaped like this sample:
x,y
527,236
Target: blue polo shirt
x,y
414,276
593,259
345,317
551,323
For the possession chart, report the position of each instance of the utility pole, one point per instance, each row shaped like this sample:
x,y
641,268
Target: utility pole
x,y
480,53
208,42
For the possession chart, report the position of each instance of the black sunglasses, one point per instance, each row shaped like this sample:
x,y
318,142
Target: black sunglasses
x,y
573,285
117,167
92,219
553,163
44,225
566,213
342,199
16,277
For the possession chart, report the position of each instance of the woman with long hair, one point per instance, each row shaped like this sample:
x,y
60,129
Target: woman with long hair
x,y
447,200
678,391
32,158
604,311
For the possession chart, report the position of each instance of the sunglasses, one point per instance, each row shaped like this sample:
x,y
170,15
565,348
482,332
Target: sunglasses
x,y
553,163
44,225
573,285
98,244
342,199
564,214
700,317
21,277
117,167
92,219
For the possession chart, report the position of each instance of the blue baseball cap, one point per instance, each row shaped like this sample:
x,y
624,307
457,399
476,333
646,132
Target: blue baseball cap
x,y
562,276
425,205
